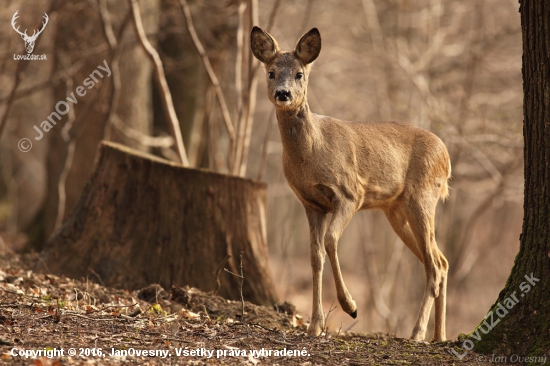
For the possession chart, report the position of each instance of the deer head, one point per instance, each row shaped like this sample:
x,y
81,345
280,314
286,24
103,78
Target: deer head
x,y
29,41
287,72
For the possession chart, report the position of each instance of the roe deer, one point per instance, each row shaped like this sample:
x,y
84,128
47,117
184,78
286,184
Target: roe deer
x,y
341,167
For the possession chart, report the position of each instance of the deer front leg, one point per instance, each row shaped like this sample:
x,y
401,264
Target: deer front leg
x,y
317,226
341,217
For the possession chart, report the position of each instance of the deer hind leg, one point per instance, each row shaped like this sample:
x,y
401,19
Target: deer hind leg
x,y
317,227
341,217
401,226
441,300
420,214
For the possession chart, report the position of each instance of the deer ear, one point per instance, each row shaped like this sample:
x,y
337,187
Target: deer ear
x,y
264,47
309,46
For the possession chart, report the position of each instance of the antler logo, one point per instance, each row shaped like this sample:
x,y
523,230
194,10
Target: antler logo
x,y
29,41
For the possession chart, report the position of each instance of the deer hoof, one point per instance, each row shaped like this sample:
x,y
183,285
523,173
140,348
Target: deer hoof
x,y
354,314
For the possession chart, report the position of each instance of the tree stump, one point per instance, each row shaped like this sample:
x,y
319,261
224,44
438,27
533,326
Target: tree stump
x,y
143,220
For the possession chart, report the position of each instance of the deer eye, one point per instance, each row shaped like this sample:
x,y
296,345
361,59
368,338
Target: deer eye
x,y
299,75
271,75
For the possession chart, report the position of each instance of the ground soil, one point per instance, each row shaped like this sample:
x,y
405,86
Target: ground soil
x,y
107,326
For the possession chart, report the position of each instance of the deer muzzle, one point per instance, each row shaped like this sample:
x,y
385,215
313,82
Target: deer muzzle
x,y
282,96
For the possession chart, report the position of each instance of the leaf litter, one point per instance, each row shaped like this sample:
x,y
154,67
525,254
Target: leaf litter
x,y
108,326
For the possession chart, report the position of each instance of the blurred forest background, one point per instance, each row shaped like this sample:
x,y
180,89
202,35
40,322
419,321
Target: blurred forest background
x,y
450,66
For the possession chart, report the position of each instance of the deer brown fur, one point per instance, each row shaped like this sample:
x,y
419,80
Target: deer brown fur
x,y
342,167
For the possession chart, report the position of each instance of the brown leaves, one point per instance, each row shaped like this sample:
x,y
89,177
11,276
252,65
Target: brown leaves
x,y
44,361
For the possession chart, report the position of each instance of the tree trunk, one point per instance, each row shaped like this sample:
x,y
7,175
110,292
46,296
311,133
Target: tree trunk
x,y
523,327
135,105
143,220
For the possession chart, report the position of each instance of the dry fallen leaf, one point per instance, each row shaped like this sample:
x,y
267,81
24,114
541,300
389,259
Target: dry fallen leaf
x,y
188,314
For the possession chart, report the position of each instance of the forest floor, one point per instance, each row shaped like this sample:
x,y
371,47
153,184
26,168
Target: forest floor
x,y
95,325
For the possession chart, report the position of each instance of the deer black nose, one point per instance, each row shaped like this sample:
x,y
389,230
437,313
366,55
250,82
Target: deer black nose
x,y
282,95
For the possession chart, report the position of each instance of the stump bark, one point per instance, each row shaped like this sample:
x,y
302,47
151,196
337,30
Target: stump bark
x,y
143,220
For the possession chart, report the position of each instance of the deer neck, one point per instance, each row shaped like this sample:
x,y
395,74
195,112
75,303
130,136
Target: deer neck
x,y
298,130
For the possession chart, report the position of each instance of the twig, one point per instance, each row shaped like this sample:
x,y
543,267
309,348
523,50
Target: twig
x,y
61,192
218,271
12,305
330,310
273,15
265,328
107,25
248,95
242,59
213,78
160,78
241,276
115,51
270,24
98,276
263,162
249,122
95,319
140,137
234,274
253,66
205,311
51,80
239,61
119,306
